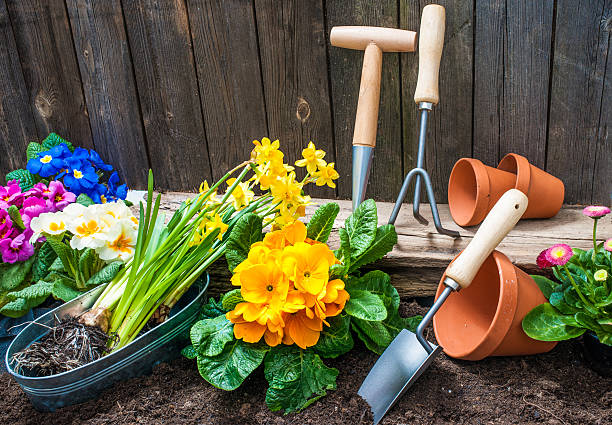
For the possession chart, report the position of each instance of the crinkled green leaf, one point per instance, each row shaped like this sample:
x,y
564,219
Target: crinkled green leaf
x,y
84,200
189,352
54,140
385,240
322,221
296,378
344,252
64,291
45,257
26,299
379,283
86,262
209,336
105,274
231,299
365,305
236,362
33,150
13,275
546,285
246,231
25,178
64,252
361,227
15,216
212,309
336,339
545,323
557,300
57,265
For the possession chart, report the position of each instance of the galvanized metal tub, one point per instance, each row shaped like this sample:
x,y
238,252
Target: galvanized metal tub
x,y
159,344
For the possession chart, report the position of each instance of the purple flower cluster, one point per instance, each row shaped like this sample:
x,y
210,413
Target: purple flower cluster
x,y
17,209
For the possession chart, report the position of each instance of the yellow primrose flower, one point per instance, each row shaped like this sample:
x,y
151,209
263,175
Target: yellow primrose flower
x,y
242,194
313,158
216,223
266,151
308,266
326,175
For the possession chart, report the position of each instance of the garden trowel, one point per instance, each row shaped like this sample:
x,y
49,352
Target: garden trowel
x,y
374,41
410,354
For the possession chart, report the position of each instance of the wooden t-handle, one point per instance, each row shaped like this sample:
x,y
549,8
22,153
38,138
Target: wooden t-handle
x,y
501,219
431,41
366,119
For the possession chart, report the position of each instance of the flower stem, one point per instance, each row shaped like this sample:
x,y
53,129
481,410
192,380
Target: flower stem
x,y
595,238
584,300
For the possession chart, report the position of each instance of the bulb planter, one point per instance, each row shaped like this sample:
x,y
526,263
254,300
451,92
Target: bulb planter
x,y
474,188
160,344
485,318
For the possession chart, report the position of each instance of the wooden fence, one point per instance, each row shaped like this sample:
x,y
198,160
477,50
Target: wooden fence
x,y
184,86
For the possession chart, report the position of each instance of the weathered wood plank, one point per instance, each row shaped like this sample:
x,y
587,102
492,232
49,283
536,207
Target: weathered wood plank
x,y
418,261
160,42
345,72
226,55
50,70
17,126
449,127
294,68
579,144
108,83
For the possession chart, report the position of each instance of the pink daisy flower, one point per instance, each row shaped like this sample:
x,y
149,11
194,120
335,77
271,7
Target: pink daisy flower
x,y
608,245
596,211
559,254
542,261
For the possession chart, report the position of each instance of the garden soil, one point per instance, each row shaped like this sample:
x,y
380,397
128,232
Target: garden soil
x,y
552,388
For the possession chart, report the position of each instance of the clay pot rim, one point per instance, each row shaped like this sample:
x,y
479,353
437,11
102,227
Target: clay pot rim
x,y
479,211
499,326
521,167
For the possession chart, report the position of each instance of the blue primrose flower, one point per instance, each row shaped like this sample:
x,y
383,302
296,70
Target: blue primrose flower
x,y
115,191
49,162
98,193
97,162
80,177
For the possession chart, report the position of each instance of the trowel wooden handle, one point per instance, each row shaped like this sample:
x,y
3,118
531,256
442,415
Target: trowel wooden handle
x,y
431,41
366,119
501,219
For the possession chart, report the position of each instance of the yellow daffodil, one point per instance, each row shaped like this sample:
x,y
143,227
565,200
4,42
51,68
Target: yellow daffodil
x,y
313,158
216,223
286,190
267,151
326,175
242,194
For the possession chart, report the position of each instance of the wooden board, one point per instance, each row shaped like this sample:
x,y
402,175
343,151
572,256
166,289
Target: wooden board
x,y
580,150
226,52
418,261
160,42
292,46
345,72
17,126
51,73
108,82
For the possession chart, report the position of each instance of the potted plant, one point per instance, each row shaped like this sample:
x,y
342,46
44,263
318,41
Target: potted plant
x,y
580,300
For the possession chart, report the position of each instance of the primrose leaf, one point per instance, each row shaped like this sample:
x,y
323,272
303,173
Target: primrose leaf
x,y
246,231
384,241
189,352
15,216
545,323
336,339
322,221
13,275
54,140
546,285
84,200
86,262
557,300
296,378
231,299
379,283
63,251
344,253
64,291
233,365
209,336
213,309
365,305
44,259
361,227
33,150
25,178
26,299
105,274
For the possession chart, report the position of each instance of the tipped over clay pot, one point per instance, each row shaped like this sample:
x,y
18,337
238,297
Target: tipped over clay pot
x,y
485,318
544,191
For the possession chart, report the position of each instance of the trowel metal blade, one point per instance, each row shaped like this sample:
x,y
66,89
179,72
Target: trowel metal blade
x,y
362,161
396,370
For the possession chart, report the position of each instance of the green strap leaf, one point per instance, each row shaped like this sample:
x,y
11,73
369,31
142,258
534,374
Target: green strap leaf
x,y
232,366
336,339
231,299
209,336
361,227
247,231
322,221
86,263
296,378
545,323
365,305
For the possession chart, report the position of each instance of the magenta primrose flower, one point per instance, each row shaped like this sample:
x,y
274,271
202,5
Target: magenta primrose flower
x,y
596,211
5,221
58,197
10,195
18,249
559,255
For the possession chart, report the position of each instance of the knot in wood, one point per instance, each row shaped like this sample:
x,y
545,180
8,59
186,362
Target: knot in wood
x,y
303,110
44,104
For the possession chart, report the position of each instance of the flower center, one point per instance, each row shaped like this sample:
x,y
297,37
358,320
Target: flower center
x,y
87,229
306,274
46,159
58,198
54,227
103,199
121,244
77,174
269,288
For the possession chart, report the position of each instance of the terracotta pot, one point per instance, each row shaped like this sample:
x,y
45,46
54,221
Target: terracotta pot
x,y
474,188
485,318
545,191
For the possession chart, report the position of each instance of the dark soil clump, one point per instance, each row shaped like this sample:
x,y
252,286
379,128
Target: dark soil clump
x,y
551,388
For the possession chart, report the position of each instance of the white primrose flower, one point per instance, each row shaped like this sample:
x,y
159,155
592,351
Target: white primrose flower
x,y
120,241
49,223
114,211
74,210
87,230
